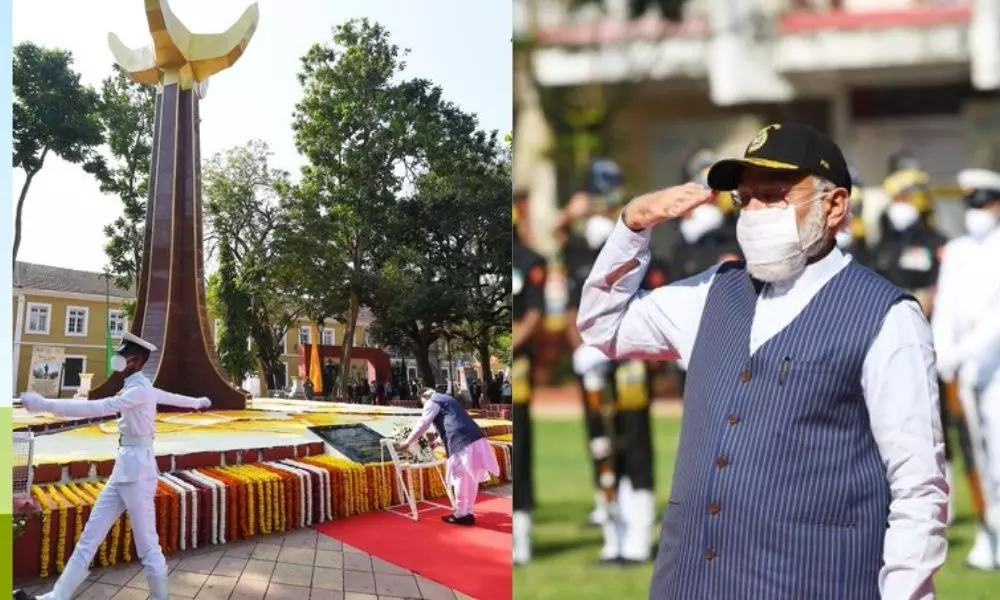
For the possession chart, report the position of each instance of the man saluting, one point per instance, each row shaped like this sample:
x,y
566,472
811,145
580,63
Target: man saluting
x,y
132,486
811,460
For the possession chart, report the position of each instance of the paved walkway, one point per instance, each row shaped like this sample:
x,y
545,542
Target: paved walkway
x,y
298,565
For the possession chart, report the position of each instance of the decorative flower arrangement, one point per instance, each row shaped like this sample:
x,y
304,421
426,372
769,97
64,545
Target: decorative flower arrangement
x,y
237,502
420,452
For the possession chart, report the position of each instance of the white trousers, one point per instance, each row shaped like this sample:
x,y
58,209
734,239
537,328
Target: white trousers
x,y
466,490
138,499
988,412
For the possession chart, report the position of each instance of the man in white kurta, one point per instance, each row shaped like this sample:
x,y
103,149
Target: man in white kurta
x,y
792,188
132,486
966,327
471,460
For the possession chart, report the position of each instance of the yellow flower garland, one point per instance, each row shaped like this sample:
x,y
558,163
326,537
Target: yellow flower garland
x,y
63,531
70,494
127,548
95,491
43,562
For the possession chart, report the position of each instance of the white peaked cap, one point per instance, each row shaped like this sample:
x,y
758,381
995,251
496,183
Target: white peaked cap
x,y
979,179
128,337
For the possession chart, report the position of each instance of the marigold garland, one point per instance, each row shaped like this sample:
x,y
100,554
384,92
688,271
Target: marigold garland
x,y
220,504
43,559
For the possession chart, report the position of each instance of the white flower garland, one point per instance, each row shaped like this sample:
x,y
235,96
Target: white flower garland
x,y
182,544
193,495
326,491
305,497
424,452
218,500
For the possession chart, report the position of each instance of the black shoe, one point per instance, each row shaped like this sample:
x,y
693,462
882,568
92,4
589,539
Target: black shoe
x,y
21,595
629,563
466,520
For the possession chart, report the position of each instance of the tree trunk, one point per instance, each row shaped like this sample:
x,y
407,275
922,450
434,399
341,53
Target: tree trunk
x,y
353,308
30,175
422,353
483,349
262,378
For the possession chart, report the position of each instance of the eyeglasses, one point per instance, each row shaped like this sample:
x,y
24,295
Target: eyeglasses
x,y
773,195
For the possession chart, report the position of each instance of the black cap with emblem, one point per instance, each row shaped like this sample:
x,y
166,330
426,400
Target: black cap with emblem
x,y
784,147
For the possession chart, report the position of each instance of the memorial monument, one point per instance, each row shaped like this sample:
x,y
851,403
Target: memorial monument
x,y
170,304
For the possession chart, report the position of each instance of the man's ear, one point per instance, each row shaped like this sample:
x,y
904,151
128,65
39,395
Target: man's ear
x,y
839,201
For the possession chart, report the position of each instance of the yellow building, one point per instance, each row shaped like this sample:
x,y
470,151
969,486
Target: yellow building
x,y
69,309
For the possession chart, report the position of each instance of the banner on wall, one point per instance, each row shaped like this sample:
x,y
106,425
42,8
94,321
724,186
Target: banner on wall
x,y
46,370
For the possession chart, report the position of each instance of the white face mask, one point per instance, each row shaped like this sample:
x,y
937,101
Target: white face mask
x,y
979,222
902,215
118,363
844,239
703,219
770,239
597,231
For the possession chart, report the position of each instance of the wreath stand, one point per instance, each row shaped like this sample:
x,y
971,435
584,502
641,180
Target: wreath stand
x,y
404,477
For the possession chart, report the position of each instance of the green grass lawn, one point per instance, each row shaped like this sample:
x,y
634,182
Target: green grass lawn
x,y
565,552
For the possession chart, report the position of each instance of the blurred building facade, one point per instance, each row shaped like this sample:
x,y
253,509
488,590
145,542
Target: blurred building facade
x,y
879,76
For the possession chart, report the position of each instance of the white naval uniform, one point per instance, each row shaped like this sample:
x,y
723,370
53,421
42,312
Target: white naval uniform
x,y
133,481
898,379
966,325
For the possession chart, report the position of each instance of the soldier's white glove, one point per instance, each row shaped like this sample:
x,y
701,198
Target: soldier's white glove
x,y
204,403
34,402
587,359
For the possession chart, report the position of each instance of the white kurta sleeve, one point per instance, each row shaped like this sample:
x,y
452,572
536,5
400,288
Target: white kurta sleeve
x,y
181,401
623,322
97,408
431,410
901,393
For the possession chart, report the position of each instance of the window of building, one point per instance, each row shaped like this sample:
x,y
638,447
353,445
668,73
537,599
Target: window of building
x,y
305,335
329,339
39,318
76,321
72,367
118,323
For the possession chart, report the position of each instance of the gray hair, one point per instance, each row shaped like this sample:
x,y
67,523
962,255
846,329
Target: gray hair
x,y
427,393
822,184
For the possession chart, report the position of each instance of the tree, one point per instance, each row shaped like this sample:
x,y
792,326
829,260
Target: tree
x,y
126,114
232,304
355,126
242,209
53,112
448,271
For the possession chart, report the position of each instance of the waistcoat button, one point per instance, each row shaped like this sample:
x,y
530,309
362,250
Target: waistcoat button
x,y
745,376
721,462
709,555
714,509
734,419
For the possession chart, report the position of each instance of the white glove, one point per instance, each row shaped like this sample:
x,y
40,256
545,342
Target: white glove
x,y
34,402
204,403
587,359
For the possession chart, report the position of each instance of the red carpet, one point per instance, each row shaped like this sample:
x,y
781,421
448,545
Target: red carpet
x,y
473,560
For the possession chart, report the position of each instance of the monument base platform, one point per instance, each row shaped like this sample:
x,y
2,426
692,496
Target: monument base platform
x,y
225,475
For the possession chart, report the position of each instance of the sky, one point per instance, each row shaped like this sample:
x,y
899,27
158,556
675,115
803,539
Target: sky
x,y
462,46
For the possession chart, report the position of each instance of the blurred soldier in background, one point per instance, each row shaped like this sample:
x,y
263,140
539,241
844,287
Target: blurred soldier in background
x,y
528,288
616,396
910,247
851,239
966,328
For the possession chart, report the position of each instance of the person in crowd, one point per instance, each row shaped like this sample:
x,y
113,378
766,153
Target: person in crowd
x,y
966,326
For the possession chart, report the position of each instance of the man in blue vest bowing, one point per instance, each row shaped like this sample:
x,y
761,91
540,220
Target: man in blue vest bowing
x,y
811,459
470,457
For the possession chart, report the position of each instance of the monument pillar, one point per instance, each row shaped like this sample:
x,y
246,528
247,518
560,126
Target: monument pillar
x,y
170,309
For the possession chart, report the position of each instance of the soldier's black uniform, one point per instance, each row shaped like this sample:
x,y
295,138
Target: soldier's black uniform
x,y
529,294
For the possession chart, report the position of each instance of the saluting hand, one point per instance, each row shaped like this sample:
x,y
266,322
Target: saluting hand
x,y
654,208
204,403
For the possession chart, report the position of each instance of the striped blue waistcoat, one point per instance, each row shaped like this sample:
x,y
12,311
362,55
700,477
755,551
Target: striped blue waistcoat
x,y
779,492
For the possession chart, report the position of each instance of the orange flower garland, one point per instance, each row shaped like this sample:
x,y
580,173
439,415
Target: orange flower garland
x,y
63,532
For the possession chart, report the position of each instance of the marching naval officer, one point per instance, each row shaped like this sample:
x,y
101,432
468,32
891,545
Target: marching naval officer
x,y
966,324
811,461
132,486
